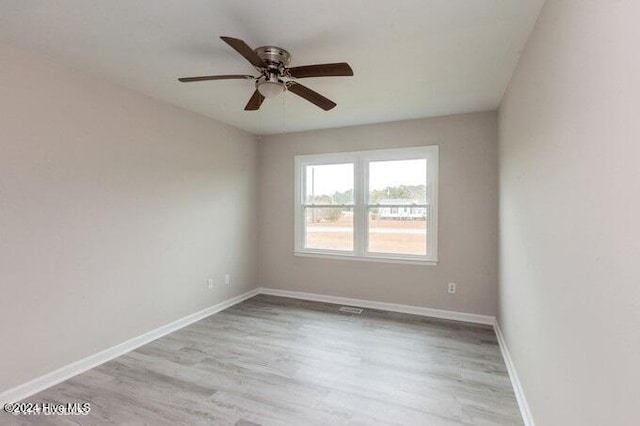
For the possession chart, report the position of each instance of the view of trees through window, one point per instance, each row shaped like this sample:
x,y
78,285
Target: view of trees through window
x,y
329,228
397,205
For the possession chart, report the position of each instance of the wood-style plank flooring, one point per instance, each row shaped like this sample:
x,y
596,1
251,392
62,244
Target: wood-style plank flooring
x,y
278,361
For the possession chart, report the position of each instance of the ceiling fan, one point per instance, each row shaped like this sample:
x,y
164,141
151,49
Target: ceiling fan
x,y
276,76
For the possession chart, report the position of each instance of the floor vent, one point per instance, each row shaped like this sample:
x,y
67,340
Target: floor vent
x,y
350,310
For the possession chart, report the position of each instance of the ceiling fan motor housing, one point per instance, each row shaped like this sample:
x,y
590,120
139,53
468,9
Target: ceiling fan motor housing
x,y
277,59
273,56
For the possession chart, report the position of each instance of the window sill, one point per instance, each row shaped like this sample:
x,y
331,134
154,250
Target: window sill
x,y
402,260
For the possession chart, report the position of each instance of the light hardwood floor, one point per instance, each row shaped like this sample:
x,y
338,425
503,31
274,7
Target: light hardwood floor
x,y
278,361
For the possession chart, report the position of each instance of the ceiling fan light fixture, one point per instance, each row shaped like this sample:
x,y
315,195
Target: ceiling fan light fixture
x,y
271,89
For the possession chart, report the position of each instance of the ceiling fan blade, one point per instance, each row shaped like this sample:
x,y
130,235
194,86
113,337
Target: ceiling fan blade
x,y
313,97
243,48
322,70
255,101
216,77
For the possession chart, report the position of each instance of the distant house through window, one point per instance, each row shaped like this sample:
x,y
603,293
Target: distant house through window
x,y
368,205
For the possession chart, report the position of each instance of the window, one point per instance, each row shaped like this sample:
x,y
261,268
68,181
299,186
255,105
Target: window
x,y
368,205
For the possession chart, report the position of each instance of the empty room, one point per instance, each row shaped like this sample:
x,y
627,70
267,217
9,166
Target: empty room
x,y
359,212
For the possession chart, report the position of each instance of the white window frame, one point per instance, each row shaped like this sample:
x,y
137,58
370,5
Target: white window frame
x,y
360,161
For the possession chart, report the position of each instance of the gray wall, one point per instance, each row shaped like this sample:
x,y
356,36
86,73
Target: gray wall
x,y
114,211
467,216
569,214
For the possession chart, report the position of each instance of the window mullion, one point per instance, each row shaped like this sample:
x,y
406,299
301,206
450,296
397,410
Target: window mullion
x,y
361,207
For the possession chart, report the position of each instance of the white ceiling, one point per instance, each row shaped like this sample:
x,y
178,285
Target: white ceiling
x,y
411,58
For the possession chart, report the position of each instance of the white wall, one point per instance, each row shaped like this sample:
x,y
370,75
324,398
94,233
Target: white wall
x,y
114,211
467,217
569,214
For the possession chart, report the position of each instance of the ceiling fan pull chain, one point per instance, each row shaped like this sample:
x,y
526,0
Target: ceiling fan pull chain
x,y
284,128
260,122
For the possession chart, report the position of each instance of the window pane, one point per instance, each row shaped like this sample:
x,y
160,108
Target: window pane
x,y
329,184
398,182
400,230
329,228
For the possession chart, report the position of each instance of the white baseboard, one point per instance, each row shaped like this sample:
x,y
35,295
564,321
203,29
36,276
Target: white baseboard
x,y
383,306
515,381
38,384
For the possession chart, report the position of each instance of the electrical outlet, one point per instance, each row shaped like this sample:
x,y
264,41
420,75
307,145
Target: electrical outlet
x,y
451,289
210,282
227,279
